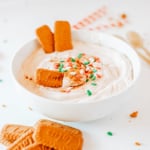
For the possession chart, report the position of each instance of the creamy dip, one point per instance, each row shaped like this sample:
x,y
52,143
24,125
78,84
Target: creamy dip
x,y
116,73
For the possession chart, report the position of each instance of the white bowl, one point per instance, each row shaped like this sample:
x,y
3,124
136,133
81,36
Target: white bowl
x,y
74,111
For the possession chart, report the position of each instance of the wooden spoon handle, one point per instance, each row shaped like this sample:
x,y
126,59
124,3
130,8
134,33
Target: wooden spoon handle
x,y
147,60
146,51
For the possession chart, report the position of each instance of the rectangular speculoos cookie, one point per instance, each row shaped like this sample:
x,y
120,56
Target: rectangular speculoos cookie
x,y
49,78
62,36
45,38
58,136
23,141
38,147
5,141
11,132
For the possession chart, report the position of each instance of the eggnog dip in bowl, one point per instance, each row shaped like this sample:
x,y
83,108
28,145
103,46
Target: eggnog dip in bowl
x,y
99,73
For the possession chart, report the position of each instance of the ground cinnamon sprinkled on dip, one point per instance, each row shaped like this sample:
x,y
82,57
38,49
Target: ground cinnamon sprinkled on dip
x,y
134,114
27,77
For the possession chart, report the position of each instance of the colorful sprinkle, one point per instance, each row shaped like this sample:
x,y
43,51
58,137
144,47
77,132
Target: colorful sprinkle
x,y
61,65
89,93
73,60
92,77
60,68
87,80
61,61
94,84
94,70
81,68
80,55
109,133
86,63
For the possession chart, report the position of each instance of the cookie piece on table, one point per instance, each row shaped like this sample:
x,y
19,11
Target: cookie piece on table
x,y
62,36
58,136
25,140
49,78
11,132
46,38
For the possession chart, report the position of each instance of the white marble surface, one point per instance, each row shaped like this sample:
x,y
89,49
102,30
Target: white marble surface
x,y
18,21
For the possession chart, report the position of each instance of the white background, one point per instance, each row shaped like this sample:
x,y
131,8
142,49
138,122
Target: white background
x,y
18,21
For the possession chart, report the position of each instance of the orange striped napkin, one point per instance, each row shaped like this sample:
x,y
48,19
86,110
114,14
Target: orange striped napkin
x,y
102,19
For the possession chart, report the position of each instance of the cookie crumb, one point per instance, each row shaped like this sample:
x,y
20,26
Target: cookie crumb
x,y
137,143
134,114
123,16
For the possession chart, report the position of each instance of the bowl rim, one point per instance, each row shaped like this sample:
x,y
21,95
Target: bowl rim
x,y
93,96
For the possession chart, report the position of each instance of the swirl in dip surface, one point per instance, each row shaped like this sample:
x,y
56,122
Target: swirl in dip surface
x,y
115,72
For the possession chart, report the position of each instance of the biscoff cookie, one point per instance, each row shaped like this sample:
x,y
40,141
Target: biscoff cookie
x,y
59,136
46,38
49,78
4,141
23,141
11,132
62,36
38,147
